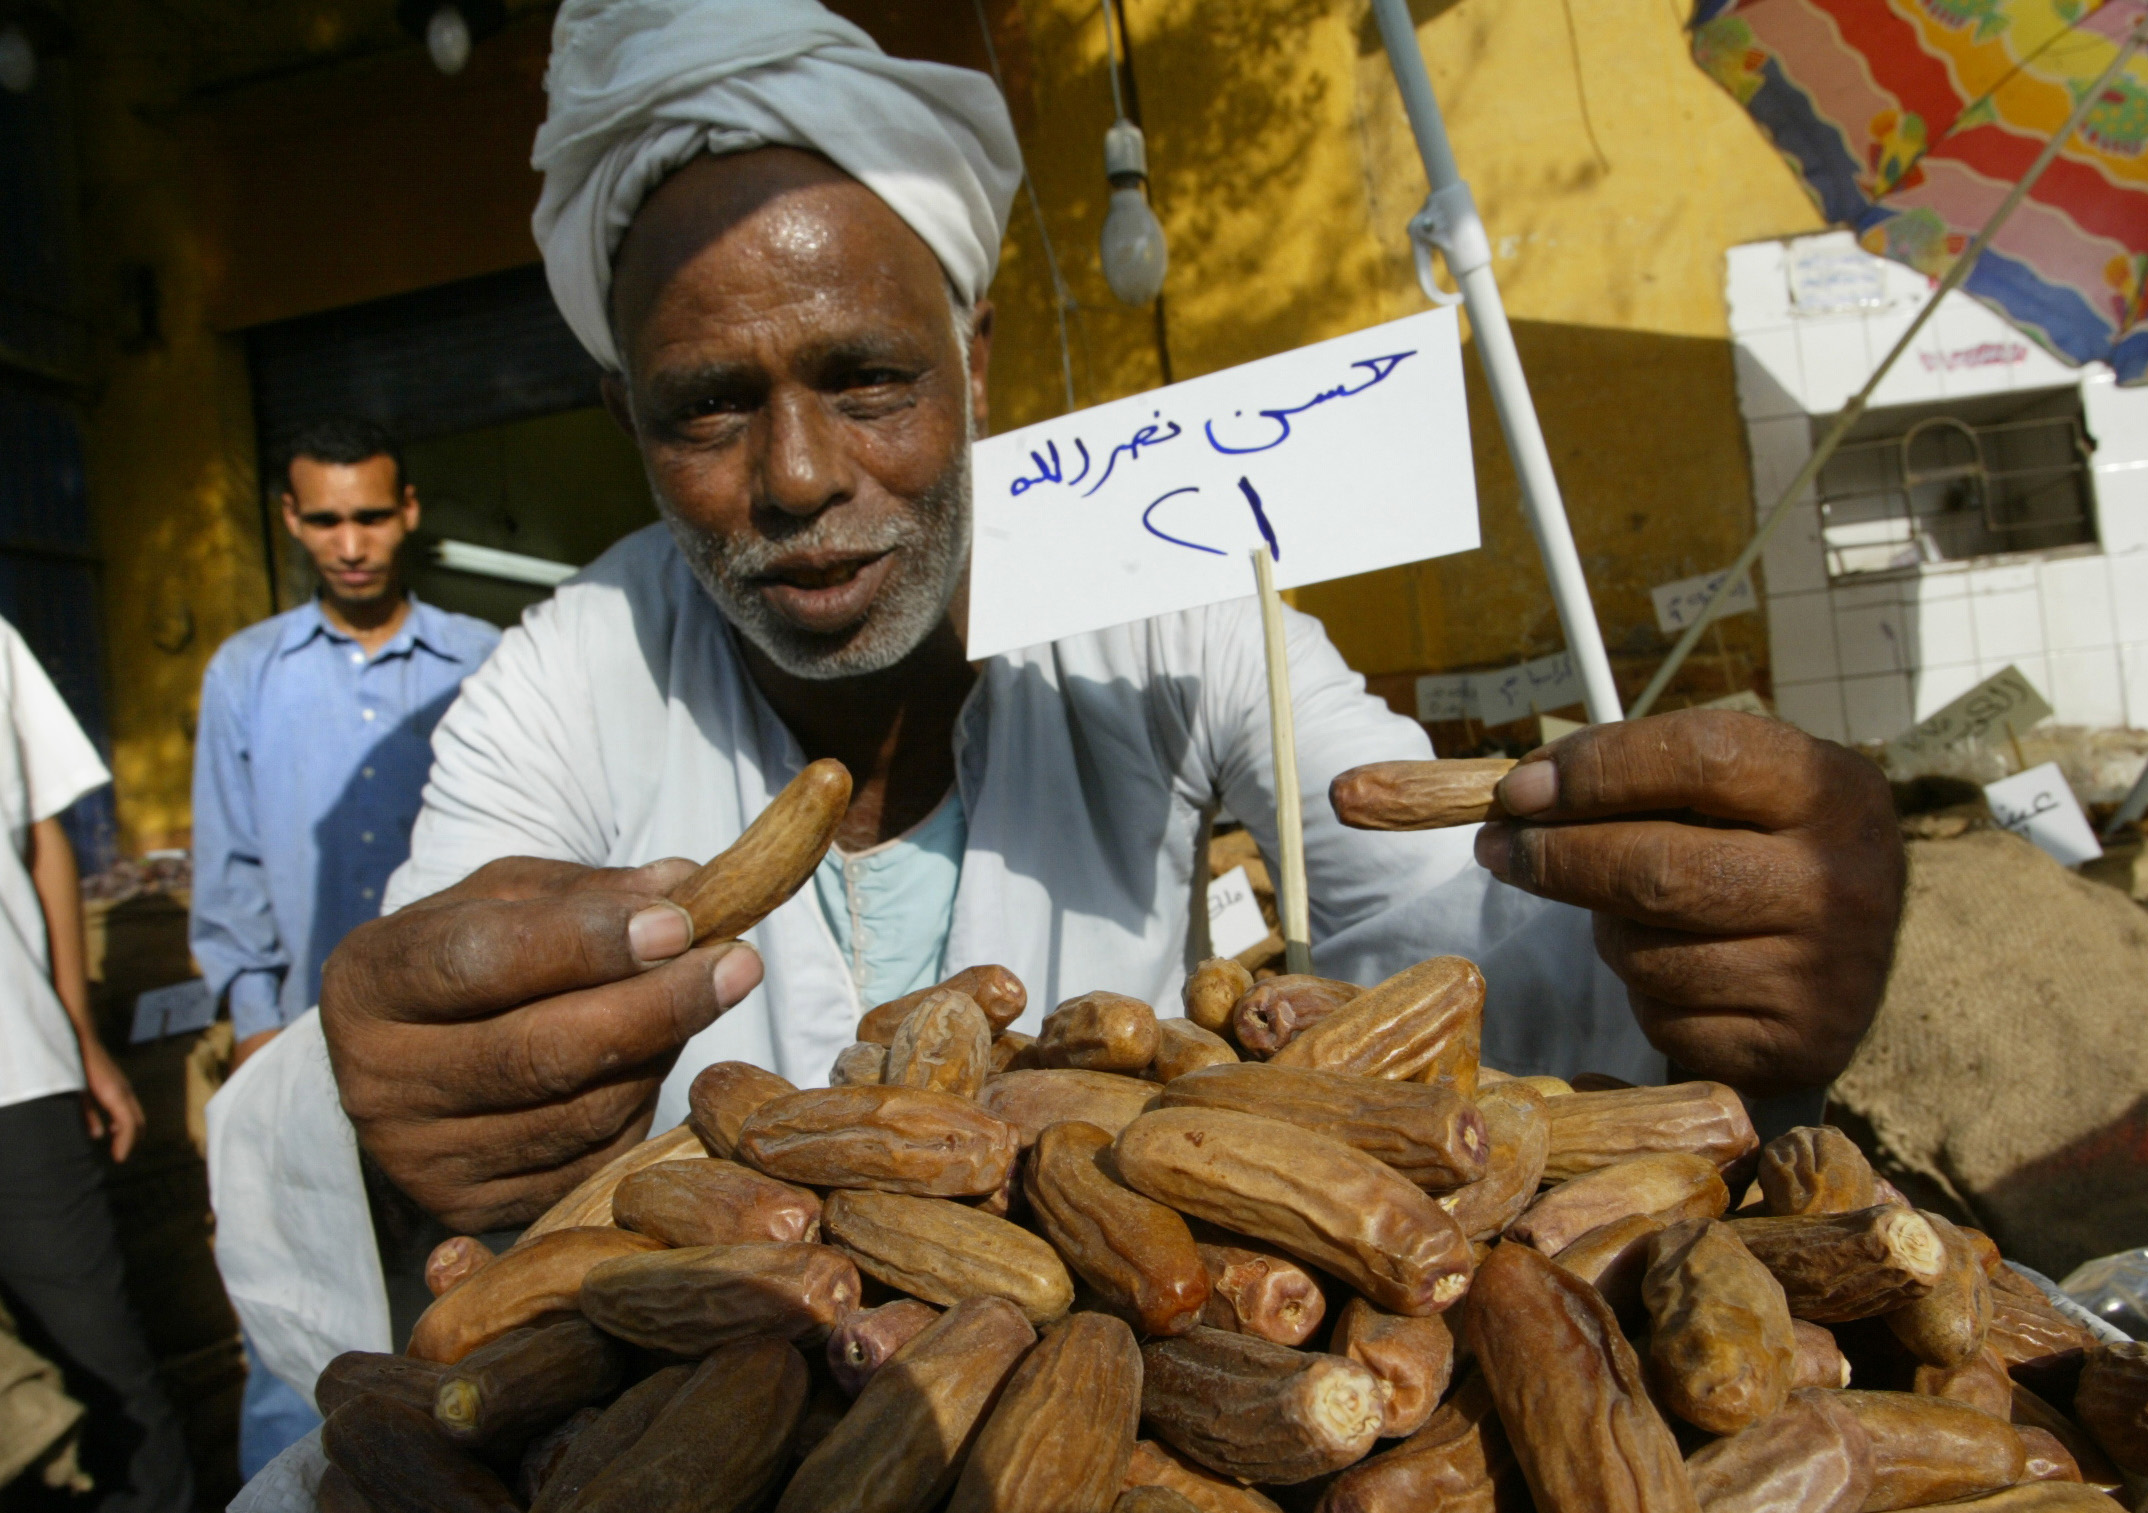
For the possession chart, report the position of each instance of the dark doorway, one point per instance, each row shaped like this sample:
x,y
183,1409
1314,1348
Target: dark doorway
x,y
497,407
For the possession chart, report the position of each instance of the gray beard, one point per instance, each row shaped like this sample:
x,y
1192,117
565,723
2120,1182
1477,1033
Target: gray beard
x,y
930,544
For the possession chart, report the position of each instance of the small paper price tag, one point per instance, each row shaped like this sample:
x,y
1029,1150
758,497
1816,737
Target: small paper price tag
x,y
1828,277
1515,693
2039,805
1235,922
2004,702
1446,696
175,1010
1679,604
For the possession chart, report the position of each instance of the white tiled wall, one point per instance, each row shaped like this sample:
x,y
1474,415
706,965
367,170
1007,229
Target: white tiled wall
x,y
1863,659
2116,419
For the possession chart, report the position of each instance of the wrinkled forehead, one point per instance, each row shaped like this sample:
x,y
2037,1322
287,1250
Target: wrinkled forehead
x,y
776,233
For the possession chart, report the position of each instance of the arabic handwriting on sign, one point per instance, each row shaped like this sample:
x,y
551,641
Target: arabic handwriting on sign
x,y
1549,672
1245,486
1378,369
1260,518
2010,818
1690,603
1148,523
1051,472
1990,705
1147,436
2005,700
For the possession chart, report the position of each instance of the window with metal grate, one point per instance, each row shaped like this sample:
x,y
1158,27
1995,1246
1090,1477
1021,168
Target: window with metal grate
x,y
1956,480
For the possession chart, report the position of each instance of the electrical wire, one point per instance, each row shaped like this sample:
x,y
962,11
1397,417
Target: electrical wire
x,y
1581,88
1111,58
1114,22
1062,300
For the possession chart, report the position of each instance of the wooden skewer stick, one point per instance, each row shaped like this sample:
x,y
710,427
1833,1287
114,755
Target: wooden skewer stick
x,y
1289,807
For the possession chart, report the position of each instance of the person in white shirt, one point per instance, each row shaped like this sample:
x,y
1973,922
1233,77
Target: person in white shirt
x,y
777,241
60,1091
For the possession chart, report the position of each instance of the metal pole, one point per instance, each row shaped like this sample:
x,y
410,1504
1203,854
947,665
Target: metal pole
x,y
1450,222
2132,809
1855,409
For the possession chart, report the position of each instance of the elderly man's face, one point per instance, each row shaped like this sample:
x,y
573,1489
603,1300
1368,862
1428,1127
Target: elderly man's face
x,y
804,401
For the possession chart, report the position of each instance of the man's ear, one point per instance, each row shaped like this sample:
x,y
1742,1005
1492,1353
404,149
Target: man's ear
x,y
290,514
981,366
616,402
411,510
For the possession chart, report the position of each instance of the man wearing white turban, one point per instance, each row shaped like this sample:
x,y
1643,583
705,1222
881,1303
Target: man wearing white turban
x,y
778,241
638,88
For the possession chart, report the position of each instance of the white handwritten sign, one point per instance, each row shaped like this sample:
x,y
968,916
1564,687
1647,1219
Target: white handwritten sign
x,y
1342,457
1515,693
1830,277
1679,604
2005,701
2038,805
1446,696
1235,922
173,1010
1497,698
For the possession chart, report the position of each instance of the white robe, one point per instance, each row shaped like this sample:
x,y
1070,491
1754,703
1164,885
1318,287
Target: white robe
x,y
618,725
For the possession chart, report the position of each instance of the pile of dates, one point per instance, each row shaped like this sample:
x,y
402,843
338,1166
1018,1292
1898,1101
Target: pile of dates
x,y
1295,1249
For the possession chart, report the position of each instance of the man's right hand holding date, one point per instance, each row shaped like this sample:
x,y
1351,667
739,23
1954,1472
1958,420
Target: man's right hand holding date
x,y
495,1043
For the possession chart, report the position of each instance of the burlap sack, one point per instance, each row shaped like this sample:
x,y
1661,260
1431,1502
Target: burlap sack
x,y
37,1417
2007,1070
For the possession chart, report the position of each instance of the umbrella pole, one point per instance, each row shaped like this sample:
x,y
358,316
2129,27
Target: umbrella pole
x,y
2131,810
1449,221
1855,409
1291,905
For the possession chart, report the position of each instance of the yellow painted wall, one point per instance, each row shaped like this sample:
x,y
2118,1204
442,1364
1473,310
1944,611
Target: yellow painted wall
x,y
169,432
1612,175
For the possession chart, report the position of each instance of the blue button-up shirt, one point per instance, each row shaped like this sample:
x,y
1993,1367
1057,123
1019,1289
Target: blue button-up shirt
x,y
308,767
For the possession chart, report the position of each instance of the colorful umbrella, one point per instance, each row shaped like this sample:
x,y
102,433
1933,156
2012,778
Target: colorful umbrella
x,y
1922,181
1910,120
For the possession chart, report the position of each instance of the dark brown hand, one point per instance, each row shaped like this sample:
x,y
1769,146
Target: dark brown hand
x,y
498,1041
1746,880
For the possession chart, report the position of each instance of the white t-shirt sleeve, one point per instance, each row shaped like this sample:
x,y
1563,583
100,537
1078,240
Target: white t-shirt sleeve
x,y
59,764
516,769
46,763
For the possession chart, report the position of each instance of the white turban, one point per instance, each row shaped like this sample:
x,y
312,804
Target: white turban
x,y
638,88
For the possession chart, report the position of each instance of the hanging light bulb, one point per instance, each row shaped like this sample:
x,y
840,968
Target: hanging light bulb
x,y
18,60
447,38
1134,253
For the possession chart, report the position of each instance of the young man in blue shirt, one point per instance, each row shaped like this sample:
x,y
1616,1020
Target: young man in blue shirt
x,y
314,741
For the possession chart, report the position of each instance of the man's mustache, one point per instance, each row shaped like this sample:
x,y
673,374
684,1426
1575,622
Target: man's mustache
x,y
757,556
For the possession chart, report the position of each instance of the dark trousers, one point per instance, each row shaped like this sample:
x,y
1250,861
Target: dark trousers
x,y
60,1266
